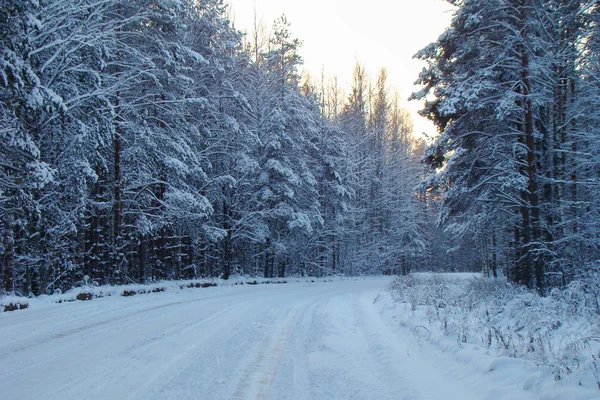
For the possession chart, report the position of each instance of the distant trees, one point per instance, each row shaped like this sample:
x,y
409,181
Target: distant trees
x,y
509,82
143,141
384,228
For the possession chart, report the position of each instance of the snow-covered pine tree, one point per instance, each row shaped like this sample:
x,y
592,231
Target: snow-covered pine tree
x,y
506,78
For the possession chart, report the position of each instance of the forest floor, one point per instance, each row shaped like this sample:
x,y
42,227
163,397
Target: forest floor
x,y
298,341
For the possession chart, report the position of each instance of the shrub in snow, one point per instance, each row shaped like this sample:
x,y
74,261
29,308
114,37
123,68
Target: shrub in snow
x,y
15,306
13,303
144,290
199,285
83,296
561,331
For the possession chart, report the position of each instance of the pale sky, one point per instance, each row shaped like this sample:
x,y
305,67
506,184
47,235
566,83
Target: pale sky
x,y
337,33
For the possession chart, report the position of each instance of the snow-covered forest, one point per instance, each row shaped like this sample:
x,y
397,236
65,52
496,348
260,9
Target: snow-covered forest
x,y
144,140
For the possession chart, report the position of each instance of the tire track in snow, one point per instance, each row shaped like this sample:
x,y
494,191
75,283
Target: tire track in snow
x,y
292,381
180,329
391,372
259,374
163,353
298,386
343,366
151,328
172,364
409,374
128,316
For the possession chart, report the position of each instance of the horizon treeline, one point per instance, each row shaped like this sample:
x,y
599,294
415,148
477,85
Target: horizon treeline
x,y
144,140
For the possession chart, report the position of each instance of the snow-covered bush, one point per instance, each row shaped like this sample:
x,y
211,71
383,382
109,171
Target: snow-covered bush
x,y
561,330
12,303
421,290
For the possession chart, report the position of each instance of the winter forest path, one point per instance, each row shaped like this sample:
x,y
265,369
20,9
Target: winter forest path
x,y
321,341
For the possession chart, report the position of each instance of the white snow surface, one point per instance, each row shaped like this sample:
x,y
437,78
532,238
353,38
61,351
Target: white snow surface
x,y
296,341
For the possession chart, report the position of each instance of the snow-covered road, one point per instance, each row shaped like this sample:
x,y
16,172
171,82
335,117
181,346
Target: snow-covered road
x,y
295,341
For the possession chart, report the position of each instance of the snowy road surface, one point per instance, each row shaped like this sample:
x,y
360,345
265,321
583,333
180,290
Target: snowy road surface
x,y
295,341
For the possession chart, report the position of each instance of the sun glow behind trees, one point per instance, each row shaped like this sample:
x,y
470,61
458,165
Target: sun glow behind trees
x,y
338,33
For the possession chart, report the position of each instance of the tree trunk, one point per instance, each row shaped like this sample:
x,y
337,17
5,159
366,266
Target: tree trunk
x,y
530,211
226,243
494,263
117,206
532,184
8,258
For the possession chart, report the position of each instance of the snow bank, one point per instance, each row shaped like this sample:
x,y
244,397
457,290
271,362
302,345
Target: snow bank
x,y
90,292
558,335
